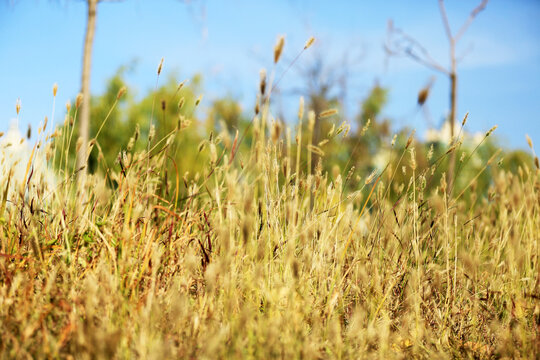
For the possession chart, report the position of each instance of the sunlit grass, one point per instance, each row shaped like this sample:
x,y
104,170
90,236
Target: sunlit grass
x,y
259,257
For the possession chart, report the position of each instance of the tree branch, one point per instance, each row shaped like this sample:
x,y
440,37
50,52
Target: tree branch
x,y
470,19
407,45
445,21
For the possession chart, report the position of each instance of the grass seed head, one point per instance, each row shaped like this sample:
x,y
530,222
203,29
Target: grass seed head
x,y
160,66
278,49
54,89
79,100
276,131
490,131
301,108
430,152
151,132
181,85
464,120
121,92
199,99
413,158
262,84
410,139
311,120
328,113
366,127
18,106
257,108
371,176
310,42
422,95
529,141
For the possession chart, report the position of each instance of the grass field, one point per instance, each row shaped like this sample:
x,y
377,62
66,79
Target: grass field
x,y
260,257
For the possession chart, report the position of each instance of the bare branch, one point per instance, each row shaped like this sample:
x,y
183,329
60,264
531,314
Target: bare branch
x,y
470,19
445,21
409,46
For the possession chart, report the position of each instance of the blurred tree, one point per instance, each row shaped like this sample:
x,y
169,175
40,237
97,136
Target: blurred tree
x,y
323,83
400,43
226,110
174,113
372,131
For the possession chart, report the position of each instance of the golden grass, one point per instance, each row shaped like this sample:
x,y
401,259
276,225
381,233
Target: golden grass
x,y
263,260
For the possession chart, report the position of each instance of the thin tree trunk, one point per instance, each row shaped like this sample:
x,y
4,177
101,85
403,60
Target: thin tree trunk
x,y
452,118
84,123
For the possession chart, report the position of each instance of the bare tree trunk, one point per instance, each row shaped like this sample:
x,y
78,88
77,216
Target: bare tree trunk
x,y
453,110
84,122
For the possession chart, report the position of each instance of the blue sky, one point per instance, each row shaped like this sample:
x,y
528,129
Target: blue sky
x,y
230,41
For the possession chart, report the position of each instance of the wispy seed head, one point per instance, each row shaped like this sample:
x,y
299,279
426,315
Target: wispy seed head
x,y
278,49
394,140
199,99
257,106
262,85
152,132
54,89
310,42
18,106
181,85
78,101
529,141
430,152
410,139
137,132
301,108
371,176
121,92
491,130
276,131
413,158
536,163
366,127
29,132
181,103
327,113
160,67
464,120
68,106
311,119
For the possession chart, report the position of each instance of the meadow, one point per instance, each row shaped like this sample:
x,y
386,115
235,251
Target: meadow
x,y
273,249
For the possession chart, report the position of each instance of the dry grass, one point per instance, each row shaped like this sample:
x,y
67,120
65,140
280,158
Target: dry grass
x,y
264,259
